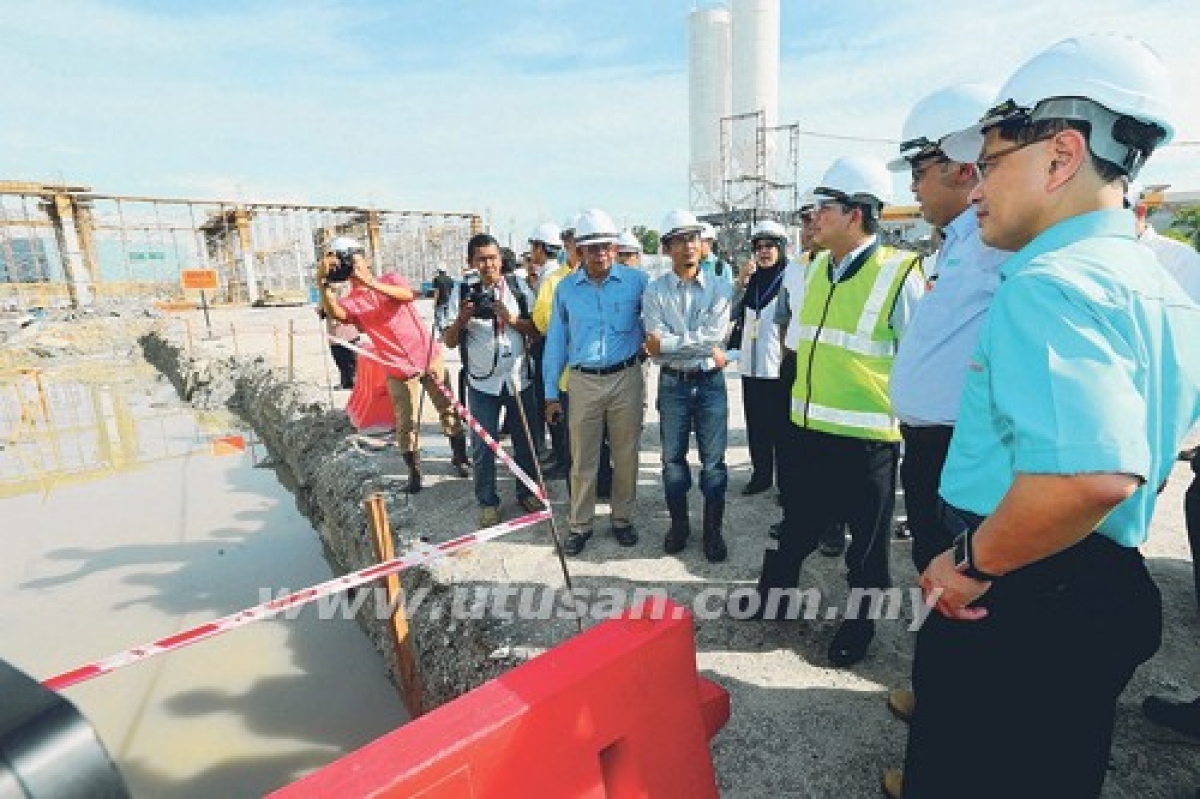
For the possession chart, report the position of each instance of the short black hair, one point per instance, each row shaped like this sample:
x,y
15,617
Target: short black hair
x,y
1031,131
479,241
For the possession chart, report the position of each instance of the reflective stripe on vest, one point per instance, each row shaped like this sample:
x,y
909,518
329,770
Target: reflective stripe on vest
x,y
846,349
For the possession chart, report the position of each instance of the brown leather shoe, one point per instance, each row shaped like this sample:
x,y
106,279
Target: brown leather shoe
x,y
902,702
893,783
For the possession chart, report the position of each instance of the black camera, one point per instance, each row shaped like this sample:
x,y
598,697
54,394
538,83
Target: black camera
x,y
484,299
344,269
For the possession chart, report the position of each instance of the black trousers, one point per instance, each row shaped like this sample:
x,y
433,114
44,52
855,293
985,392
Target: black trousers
x,y
347,364
843,479
1021,703
767,404
925,451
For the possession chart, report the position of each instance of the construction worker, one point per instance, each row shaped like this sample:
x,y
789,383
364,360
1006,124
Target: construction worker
x,y
1080,390
560,467
1177,257
686,316
629,250
595,331
492,324
383,309
791,297
858,300
932,360
765,398
443,284
710,261
545,242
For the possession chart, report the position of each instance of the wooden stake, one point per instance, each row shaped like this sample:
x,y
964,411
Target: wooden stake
x,y
406,660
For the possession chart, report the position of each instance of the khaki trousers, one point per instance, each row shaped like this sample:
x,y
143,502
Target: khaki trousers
x,y
618,400
406,398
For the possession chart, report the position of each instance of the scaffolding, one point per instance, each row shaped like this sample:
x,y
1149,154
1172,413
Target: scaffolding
x,y
65,246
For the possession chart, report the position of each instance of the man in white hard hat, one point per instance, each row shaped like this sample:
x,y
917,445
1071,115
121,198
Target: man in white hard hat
x,y
545,242
1076,399
383,309
686,316
595,332
710,261
629,250
859,299
932,360
1177,257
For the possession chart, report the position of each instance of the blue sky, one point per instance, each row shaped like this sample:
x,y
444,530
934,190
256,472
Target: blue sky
x,y
521,110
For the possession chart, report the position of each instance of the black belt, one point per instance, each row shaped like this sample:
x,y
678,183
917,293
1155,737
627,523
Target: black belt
x,y
687,374
607,370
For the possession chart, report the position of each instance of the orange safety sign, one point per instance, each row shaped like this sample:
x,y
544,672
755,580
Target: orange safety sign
x,y
198,278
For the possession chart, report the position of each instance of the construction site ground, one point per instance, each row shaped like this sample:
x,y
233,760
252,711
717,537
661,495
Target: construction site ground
x,y
799,727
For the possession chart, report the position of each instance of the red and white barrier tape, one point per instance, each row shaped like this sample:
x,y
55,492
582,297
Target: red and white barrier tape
x,y
477,428
268,609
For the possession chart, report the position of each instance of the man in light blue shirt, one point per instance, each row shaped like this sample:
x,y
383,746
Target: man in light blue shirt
x,y
686,315
1084,382
931,362
710,262
596,332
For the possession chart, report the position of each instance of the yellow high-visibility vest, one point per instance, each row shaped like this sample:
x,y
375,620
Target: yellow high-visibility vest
x,y
846,348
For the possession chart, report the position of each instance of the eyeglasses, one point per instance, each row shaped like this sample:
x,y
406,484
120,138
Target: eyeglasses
x,y
825,205
918,172
985,163
764,244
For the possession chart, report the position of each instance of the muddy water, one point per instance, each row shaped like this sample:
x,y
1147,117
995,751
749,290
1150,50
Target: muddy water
x,y
126,517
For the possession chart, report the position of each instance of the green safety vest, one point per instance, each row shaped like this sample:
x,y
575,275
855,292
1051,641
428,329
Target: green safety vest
x,y
847,346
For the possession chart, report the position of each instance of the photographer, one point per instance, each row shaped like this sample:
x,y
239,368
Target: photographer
x,y
493,321
383,309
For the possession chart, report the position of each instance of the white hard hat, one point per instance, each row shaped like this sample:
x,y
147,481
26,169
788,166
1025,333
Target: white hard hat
x,y
595,227
807,200
441,270
679,221
769,229
856,179
936,116
547,233
707,232
628,243
344,244
1111,81
568,228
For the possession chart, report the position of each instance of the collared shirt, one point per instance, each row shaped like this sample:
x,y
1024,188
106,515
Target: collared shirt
x,y
395,328
931,364
791,300
1086,364
545,296
708,264
496,354
593,324
690,317
911,291
1181,260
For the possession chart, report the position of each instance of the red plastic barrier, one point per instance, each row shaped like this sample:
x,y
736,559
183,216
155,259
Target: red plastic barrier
x,y
614,713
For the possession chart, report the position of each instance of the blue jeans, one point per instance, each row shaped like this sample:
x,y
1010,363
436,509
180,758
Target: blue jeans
x,y
486,410
700,404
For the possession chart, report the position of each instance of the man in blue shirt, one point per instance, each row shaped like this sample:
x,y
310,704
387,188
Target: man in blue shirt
x,y
686,318
1074,405
595,330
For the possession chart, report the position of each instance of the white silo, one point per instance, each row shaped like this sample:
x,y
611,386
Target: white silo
x,y
755,82
709,95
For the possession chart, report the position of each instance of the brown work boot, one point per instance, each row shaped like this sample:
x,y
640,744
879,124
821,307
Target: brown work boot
x,y
893,783
413,461
459,458
902,702
714,544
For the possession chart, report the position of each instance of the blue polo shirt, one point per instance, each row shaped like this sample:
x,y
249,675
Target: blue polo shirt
x,y
1088,362
593,324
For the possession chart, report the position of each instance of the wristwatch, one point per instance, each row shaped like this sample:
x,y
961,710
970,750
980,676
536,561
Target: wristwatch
x,y
964,559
